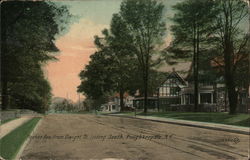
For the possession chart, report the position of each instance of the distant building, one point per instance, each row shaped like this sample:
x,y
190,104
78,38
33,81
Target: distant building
x,y
114,103
110,107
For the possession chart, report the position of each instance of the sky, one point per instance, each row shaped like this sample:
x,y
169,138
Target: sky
x,y
77,45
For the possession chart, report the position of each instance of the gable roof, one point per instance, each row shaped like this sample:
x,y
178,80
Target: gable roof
x,y
174,74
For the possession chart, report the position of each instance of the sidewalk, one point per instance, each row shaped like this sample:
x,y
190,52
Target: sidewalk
x,y
9,126
206,125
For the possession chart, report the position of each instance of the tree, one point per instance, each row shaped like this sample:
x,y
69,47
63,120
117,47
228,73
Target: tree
x,y
95,77
32,92
193,23
64,105
136,84
249,48
233,43
145,24
120,53
96,81
28,31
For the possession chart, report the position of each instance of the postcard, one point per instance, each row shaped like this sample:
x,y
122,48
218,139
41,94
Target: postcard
x,y
125,80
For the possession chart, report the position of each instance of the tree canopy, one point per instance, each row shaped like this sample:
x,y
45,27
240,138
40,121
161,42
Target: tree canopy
x,y
212,29
135,34
145,23
193,23
28,32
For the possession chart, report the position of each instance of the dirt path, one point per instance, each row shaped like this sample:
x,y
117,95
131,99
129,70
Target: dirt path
x,y
85,137
9,126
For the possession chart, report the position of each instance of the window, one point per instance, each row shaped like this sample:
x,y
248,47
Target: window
x,y
189,99
161,93
164,91
205,98
168,91
174,91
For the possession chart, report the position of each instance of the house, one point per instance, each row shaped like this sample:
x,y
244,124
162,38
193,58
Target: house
x,y
138,103
177,94
113,104
110,107
206,95
169,91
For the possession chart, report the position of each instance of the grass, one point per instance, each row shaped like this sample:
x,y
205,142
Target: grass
x,y
211,117
12,142
8,120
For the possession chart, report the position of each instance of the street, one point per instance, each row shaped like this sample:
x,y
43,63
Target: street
x,y
89,137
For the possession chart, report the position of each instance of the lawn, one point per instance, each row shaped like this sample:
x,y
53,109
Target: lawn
x,y
7,120
223,118
12,142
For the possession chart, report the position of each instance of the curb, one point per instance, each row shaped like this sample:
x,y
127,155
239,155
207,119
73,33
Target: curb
x,y
19,153
217,128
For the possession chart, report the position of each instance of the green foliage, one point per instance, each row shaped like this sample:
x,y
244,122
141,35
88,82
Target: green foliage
x,y
193,24
95,78
65,105
210,31
154,81
145,24
28,31
124,52
111,68
232,44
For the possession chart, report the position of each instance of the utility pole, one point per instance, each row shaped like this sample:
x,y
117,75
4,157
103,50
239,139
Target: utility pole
x,y
79,104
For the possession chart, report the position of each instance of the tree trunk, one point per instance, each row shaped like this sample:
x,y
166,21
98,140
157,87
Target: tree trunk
x,y
249,48
229,75
4,80
225,100
121,99
195,77
196,73
5,98
158,100
232,96
146,91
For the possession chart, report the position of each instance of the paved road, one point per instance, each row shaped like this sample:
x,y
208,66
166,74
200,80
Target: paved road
x,y
88,137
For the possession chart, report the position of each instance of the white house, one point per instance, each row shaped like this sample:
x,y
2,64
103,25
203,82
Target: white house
x,y
110,107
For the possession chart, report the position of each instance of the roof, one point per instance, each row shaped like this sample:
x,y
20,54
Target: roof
x,y
182,67
141,98
174,74
125,95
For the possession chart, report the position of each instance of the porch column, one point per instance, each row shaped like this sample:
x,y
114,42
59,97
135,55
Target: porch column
x,y
199,98
183,96
212,97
